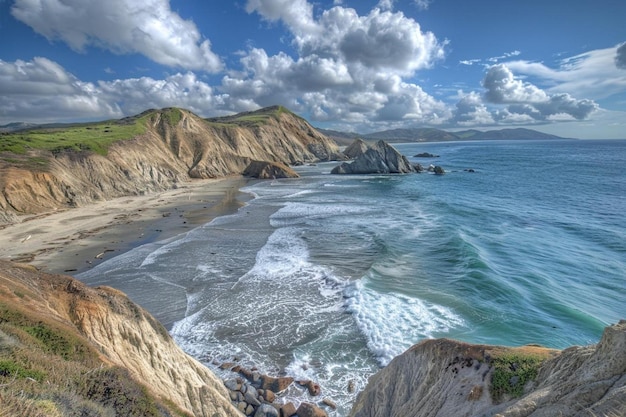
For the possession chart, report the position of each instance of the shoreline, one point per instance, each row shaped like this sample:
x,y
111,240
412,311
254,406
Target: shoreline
x,y
75,240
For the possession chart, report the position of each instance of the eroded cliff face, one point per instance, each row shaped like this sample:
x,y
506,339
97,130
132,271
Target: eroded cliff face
x,y
439,378
123,333
168,153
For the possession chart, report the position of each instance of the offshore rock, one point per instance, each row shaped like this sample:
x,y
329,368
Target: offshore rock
x,y
269,170
381,158
356,149
441,377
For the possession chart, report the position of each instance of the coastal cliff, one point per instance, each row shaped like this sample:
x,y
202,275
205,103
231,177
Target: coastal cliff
x,y
68,349
156,150
441,377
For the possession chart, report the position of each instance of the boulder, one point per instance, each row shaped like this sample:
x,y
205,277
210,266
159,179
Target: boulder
x,y
288,410
274,384
269,170
381,158
426,155
439,170
266,410
310,410
269,396
314,388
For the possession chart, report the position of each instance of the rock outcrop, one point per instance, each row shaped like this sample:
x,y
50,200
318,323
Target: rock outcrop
x,y
269,170
124,336
176,146
381,158
356,149
438,378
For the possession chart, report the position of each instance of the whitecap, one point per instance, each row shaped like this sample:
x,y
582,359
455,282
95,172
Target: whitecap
x,y
392,322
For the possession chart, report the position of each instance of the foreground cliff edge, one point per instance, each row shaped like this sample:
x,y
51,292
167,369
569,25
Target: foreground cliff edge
x,y
443,378
67,350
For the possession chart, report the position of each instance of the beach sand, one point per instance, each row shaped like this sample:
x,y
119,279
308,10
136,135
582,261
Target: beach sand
x,y
73,240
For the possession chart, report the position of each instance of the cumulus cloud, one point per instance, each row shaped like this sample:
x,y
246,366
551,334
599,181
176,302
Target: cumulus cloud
x,y
526,99
381,39
41,90
471,111
346,66
503,88
620,56
148,27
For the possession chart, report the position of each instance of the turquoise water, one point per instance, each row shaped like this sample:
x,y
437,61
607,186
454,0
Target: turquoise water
x,y
329,277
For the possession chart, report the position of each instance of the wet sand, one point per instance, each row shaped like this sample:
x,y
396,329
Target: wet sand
x,y
74,240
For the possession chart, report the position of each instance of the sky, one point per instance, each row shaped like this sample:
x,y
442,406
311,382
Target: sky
x,y
350,65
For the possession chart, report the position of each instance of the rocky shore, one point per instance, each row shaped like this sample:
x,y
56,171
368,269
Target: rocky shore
x,y
258,395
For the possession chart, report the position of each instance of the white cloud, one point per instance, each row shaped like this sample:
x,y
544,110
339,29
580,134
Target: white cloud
x,y
524,98
471,111
503,88
148,27
386,4
379,40
422,4
347,66
594,74
41,90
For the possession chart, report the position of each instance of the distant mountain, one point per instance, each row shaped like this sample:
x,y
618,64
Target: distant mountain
x,y
505,134
412,135
16,126
438,135
342,138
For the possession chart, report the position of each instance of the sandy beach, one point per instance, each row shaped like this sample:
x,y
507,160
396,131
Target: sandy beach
x,y
73,240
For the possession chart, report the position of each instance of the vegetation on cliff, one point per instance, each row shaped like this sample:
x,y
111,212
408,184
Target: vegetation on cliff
x,y
48,368
442,377
66,166
69,350
95,137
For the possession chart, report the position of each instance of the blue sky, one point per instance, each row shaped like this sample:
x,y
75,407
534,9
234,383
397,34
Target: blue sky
x,y
555,66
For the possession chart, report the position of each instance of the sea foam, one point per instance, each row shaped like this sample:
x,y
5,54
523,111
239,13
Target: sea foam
x,y
393,322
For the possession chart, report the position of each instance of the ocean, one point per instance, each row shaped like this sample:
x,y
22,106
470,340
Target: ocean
x,y
328,277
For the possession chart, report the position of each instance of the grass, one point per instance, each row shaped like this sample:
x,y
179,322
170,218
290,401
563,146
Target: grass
x,y
172,115
250,119
94,137
48,369
512,371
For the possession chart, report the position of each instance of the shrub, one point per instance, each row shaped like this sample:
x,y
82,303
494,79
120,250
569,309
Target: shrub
x,y
511,373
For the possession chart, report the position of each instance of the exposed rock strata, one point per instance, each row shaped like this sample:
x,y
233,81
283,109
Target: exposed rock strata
x,y
438,378
380,158
356,149
269,170
160,158
124,334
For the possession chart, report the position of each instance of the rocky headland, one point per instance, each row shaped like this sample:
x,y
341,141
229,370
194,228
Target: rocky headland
x,y
154,151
